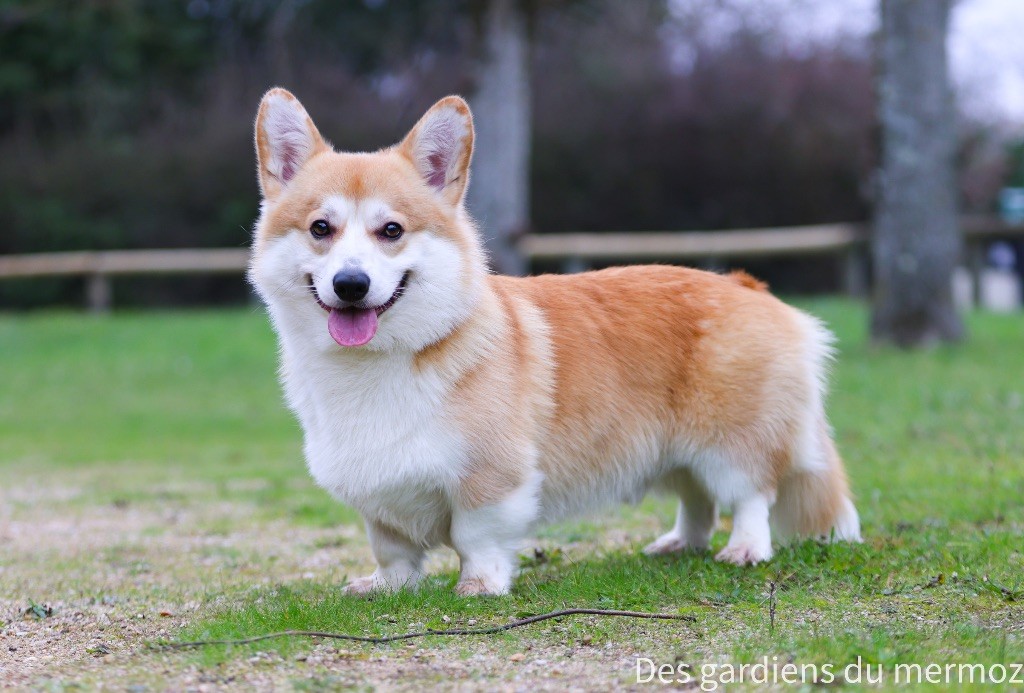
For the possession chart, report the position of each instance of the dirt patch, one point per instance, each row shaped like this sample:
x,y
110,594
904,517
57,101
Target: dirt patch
x,y
107,579
86,587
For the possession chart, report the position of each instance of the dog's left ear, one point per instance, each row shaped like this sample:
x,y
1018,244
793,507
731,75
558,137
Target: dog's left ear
x,y
440,146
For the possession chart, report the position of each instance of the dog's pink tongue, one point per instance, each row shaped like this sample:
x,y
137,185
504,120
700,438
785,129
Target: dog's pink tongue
x,y
351,327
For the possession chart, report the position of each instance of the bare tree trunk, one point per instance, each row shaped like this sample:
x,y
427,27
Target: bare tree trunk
x,y
499,191
916,241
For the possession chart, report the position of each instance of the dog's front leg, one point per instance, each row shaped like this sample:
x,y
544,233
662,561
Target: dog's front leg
x,y
487,539
399,561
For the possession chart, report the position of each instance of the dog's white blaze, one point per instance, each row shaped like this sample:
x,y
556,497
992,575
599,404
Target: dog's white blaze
x,y
355,248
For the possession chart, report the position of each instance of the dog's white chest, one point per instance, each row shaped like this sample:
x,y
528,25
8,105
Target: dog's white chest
x,y
374,433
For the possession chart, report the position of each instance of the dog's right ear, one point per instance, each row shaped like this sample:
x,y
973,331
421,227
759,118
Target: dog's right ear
x,y
285,140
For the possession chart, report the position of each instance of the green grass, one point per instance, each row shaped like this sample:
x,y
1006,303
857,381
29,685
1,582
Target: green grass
x,y
141,407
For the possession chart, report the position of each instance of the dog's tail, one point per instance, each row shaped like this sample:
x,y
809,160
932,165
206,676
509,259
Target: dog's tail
x,y
814,500
744,279
813,496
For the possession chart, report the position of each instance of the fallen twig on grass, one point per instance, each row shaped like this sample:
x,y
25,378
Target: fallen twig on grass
x,y
408,636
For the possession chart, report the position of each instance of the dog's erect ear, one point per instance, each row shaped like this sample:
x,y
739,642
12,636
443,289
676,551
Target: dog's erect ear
x,y
441,145
285,140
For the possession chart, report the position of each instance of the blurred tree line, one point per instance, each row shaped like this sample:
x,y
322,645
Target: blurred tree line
x,y
128,123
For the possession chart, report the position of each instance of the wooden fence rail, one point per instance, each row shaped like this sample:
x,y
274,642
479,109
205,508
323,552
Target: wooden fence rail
x,y
100,265
574,251
693,245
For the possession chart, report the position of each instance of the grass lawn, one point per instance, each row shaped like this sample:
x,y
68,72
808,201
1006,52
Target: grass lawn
x,y
152,487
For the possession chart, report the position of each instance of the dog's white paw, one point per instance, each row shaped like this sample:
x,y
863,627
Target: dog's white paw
x,y
363,585
471,587
744,554
672,543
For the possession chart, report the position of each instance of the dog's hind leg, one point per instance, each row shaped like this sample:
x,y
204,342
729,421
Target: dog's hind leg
x,y
751,538
696,516
749,490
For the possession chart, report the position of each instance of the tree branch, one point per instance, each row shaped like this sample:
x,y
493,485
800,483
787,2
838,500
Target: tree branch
x,y
408,636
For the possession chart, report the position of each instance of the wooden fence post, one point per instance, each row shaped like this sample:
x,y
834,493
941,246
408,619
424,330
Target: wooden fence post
x,y
855,272
976,266
98,293
574,264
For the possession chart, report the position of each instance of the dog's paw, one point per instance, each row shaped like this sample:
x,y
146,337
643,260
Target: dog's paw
x,y
471,587
744,554
383,582
672,543
363,585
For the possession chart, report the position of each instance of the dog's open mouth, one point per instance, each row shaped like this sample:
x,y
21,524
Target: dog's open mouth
x,y
352,325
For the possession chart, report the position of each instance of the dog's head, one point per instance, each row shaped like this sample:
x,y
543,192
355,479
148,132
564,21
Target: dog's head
x,y
365,249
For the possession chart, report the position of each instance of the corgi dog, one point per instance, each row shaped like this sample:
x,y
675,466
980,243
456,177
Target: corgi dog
x,y
451,406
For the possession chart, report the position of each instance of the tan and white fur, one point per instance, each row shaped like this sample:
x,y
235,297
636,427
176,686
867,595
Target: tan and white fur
x,y
484,404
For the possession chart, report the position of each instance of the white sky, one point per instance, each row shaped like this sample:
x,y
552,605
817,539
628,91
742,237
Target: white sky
x,y
986,43
987,58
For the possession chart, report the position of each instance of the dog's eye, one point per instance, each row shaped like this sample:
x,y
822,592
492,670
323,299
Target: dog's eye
x,y
391,231
320,228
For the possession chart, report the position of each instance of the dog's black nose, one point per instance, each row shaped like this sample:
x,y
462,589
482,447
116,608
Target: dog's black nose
x,y
351,286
